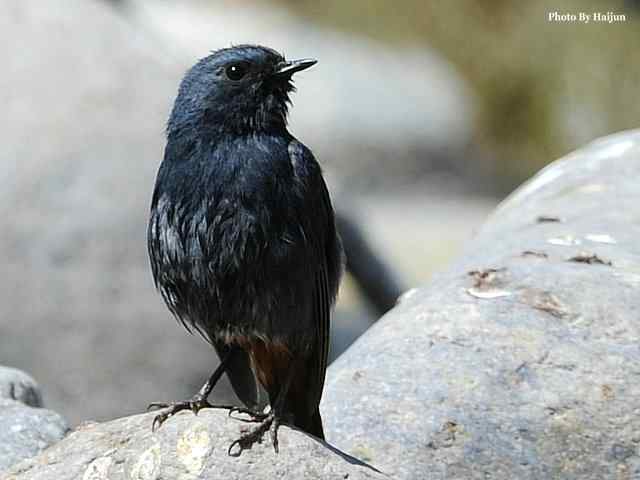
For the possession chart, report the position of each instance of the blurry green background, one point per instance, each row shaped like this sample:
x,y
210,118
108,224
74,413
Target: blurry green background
x,y
543,88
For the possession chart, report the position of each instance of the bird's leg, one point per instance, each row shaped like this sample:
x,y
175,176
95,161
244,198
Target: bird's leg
x,y
267,422
195,403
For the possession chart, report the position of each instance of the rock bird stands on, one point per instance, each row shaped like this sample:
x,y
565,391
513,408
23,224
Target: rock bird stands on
x,y
242,240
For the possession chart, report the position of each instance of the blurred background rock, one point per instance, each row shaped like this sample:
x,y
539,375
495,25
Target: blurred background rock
x,y
423,113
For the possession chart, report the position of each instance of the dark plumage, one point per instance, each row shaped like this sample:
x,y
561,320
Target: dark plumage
x,y
242,240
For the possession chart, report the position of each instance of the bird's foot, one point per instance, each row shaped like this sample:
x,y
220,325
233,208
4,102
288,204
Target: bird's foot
x,y
254,416
195,404
270,422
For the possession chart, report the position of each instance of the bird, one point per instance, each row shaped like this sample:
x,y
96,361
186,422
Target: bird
x,y
242,239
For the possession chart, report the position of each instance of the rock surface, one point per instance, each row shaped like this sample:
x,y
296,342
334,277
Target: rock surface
x,y
185,447
522,359
26,431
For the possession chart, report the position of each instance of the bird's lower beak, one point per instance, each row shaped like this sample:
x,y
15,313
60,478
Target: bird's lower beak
x,y
293,66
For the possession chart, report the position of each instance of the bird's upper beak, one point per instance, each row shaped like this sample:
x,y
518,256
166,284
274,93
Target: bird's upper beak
x,y
288,68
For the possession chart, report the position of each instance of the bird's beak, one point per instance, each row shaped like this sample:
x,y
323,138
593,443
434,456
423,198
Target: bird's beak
x,y
293,66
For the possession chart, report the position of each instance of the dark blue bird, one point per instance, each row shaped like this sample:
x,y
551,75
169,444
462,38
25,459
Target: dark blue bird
x,y
242,239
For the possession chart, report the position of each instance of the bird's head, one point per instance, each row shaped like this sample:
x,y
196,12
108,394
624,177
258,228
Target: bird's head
x,y
237,90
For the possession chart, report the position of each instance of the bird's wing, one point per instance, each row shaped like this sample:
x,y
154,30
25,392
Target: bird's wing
x,y
326,251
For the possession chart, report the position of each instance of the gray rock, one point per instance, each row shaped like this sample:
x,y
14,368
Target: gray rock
x,y
522,359
17,385
26,431
186,447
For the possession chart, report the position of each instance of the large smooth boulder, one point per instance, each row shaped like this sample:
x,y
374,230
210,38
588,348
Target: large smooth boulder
x,y
521,360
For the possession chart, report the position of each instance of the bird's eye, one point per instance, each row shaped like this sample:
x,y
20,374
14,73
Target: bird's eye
x,y
236,71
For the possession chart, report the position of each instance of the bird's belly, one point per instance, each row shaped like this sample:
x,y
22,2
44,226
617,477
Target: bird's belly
x,y
255,280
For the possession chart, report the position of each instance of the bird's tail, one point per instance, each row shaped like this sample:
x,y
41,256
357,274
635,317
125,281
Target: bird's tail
x,y
316,425
310,424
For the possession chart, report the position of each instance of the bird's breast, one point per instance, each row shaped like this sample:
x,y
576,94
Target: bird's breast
x,y
227,246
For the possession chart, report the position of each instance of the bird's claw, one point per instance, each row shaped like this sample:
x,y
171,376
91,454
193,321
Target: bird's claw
x,y
269,423
196,404
157,405
254,416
